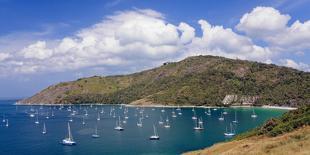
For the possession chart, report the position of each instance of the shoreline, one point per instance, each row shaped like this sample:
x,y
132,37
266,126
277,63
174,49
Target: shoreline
x,y
166,106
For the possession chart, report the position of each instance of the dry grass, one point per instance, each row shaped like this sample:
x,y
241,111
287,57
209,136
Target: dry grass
x,y
294,143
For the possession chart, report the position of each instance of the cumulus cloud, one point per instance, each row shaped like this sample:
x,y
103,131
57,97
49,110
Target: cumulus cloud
x,y
293,64
217,40
4,56
139,39
269,25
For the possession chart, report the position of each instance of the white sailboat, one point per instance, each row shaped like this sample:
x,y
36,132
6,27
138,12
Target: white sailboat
x,y
3,118
235,121
209,112
253,114
71,119
83,121
86,113
194,115
225,112
160,121
167,125
119,125
98,117
222,117
155,136
198,124
231,133
7,123
173,114
69,140
44,129
96,135
163,110
102,111
37,119
139,124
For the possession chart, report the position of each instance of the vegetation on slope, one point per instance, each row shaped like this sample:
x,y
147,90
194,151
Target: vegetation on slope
x,y
288,122
200,80
289,134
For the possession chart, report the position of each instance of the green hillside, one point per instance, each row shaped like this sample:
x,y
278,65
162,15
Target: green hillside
x,y
199,80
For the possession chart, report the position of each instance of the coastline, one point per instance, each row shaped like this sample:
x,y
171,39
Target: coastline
x,y
166,106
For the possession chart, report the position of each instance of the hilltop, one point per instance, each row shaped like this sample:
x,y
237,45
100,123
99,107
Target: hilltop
x,y
198,80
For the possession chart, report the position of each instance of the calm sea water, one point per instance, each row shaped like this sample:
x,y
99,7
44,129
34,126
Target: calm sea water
x,y
23,136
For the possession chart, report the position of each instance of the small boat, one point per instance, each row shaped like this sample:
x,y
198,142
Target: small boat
x,y
102,111
231,133
155,136
253,114
225,112
208,112
173,114
178,108
3,118
47,116
167,125
37,119
31,115
83,121
222,117
199,124
95,135
98,117
163,110
119,125
139,124
53,114
194,116
71,119
161,121
69,140
86,113
235,121
44,129
7,123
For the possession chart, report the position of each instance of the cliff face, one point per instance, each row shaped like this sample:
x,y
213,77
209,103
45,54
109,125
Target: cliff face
x,y
200,80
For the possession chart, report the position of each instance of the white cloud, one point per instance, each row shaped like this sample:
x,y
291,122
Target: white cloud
x,y
269,25
139,39
262,21
217,40
293,64
4,56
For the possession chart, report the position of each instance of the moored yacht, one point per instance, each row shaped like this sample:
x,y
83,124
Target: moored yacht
x,y
155,136
68,140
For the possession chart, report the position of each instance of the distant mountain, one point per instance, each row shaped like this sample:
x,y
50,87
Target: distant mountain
x,y
289,134
199,80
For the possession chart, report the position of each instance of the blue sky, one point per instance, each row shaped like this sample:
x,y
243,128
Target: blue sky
x,y
45,42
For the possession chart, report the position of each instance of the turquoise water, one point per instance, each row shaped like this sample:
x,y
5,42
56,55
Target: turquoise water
x,y
23,136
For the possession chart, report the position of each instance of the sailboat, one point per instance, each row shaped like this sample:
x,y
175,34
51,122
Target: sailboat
x,y
235,121
53,113
7,123
173,114
194,116
199,124
163,110
222,117
225,112
102,111
44,129
231,133
139,124
3,119
83,122
155,136
86,113
95,135
161,120
167,125
209,112
37,119
178,108
71,119
119,125
69,140
98,117
253,114
47,116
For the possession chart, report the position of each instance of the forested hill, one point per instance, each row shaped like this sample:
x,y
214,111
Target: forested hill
x,y
198,80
